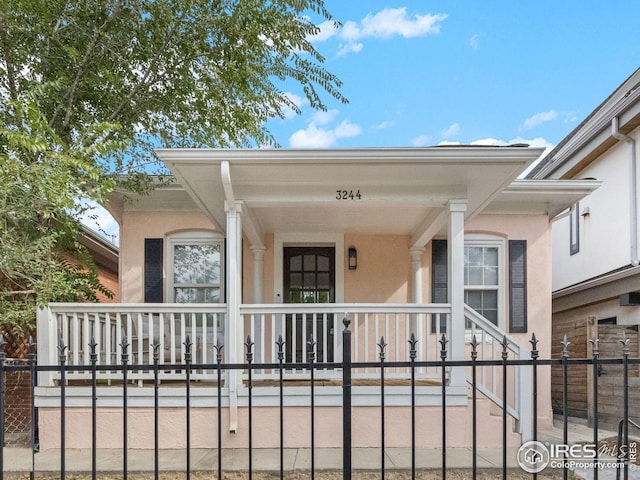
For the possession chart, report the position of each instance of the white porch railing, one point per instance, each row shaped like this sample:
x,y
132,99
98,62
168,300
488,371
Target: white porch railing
x,y
169,324
297,323
141,325
489,381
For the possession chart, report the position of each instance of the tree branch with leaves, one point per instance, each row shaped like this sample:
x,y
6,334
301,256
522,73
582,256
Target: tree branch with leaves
x,y
89,87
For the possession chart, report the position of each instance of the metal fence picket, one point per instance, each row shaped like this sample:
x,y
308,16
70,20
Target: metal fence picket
x,y
65,366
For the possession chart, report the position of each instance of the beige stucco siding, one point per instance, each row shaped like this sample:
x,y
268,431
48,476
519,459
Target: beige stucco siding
x,y
384,269
384,263
535,230
136,226
366,427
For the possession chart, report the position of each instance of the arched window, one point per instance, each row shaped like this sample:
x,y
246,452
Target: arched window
x,y
195,268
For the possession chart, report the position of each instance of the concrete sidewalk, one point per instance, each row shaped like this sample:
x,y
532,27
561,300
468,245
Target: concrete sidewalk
x,y
295,459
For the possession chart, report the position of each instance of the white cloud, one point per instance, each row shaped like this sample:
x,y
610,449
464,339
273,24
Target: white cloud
x,y
327,30
312,137
538,119
387,23
385,124
451,131
474,42
315,136
534,142
350,31
490,142
347,48
323,118
391,22
346,129
421,141
297,100
537,142
571,118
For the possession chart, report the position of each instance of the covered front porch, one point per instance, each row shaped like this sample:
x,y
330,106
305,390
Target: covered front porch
x,y
351,229
187,338
306,331
255,247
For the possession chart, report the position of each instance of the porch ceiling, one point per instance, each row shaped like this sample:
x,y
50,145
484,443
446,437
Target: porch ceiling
x,y
402,190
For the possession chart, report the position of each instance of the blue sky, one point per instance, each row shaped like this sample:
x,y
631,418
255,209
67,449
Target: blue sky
x,y
492,72
420,73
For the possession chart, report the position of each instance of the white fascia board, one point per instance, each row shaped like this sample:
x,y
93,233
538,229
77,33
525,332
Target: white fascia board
x,y
549,187
462,154
625,99
548,197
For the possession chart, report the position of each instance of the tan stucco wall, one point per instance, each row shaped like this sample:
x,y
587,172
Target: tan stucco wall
x,y
384,263
136,226
366,427
384,269
535,230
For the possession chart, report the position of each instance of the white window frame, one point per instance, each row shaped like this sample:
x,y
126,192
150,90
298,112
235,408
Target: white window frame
x,y
491,241
193,238
574,229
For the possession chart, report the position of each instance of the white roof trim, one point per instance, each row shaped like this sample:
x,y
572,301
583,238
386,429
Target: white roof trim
x,y
474,154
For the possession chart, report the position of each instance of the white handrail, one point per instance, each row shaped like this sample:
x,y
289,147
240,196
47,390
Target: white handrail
x,y
485,333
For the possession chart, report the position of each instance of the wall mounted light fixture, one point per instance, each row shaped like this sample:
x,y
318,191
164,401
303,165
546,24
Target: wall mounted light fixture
x,y
353,258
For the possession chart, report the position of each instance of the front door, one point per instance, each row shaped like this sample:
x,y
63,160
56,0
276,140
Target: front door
x,y
309,277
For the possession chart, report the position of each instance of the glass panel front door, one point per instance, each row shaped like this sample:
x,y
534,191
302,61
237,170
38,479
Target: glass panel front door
x,y
309,277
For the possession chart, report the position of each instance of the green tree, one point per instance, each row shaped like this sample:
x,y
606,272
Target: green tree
x,y
89,87
43,184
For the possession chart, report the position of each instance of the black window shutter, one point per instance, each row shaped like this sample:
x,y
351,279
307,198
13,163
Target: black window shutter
x,y
517,286
153,257
439,278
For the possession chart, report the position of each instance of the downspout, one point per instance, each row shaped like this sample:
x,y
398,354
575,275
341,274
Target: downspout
x,y
635,261
234,288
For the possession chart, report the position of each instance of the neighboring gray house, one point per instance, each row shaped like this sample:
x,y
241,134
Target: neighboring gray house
x,y
596,272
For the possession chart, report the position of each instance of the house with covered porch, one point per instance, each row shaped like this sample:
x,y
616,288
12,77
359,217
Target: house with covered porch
x,y
272,244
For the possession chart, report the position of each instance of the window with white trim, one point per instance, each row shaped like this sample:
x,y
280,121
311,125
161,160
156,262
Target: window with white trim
x,y
484,277
196,272
574,229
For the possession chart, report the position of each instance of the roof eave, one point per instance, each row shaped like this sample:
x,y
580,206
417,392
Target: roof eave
x,y
624,103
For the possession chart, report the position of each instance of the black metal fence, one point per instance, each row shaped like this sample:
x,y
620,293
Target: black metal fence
x,y
311,366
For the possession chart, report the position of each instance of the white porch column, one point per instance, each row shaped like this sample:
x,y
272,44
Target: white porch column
x,y
234,331
416,272
258,270
457,208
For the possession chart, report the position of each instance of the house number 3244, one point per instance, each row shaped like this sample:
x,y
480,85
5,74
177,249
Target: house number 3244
x,y
348,195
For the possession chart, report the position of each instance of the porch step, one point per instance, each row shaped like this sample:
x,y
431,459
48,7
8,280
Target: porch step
x,y
493,413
